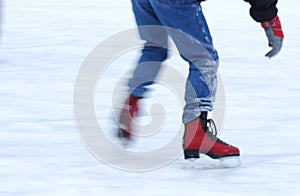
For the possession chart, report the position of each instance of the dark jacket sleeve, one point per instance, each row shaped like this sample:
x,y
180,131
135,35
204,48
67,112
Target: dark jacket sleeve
x,y
263,10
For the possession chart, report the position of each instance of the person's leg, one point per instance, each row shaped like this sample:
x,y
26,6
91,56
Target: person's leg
x,y
153,53
193,39
155,49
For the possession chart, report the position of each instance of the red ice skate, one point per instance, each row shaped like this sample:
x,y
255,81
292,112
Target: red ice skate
x,y
200,137
126,116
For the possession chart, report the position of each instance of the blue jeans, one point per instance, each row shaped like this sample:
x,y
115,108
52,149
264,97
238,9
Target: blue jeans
x,y
185,23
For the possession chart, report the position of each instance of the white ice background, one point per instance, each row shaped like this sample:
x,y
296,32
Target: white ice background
x,y
43,44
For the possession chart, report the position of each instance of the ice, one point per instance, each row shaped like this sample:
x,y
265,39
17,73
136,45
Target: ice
x,y
43,44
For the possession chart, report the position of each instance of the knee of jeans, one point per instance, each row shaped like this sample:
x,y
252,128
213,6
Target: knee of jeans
x,y
151,53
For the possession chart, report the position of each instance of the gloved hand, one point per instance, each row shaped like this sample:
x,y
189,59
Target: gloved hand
x,y
274,34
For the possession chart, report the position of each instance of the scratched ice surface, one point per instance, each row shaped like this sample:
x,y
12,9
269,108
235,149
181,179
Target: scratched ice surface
x,y
44,43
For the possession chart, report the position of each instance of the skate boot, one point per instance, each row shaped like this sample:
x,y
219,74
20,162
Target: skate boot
x,y
201,137
126,116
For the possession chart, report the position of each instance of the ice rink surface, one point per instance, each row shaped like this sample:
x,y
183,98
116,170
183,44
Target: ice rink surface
x,y
44,43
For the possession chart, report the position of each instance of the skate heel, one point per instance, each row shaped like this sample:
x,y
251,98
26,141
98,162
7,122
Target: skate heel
x,y
191,154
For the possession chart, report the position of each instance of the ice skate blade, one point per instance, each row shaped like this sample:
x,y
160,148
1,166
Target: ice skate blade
x,y
124,142
230,162
190,164
206,162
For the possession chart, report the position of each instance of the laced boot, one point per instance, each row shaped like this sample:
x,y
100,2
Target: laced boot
x,y
201,137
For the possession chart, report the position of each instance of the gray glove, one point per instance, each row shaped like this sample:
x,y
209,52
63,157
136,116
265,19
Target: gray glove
x,y
274,34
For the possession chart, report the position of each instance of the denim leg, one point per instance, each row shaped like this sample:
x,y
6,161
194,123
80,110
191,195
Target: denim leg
x,y
194,42
155,49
